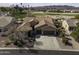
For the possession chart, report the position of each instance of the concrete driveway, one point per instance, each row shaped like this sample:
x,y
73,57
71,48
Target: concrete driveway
x,y
46,43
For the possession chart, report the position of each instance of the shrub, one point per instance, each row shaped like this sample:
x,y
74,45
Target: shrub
x,y
75,34
77,16
7,43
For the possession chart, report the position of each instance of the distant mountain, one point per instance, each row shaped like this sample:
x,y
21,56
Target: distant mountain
x,y
60,7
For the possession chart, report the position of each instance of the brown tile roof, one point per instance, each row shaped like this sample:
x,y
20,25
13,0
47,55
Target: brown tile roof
x,y
41,23
72,22
24,27
34,22
45,21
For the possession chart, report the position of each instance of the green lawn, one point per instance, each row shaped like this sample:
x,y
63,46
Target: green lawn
x,y
52,13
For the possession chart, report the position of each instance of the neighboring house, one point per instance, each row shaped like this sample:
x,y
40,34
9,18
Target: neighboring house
x,y
75,11
6,24
72,24
4,13
67,11
70,10
23,29
69,25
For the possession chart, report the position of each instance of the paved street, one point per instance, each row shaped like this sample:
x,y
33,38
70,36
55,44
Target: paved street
x,y
47,43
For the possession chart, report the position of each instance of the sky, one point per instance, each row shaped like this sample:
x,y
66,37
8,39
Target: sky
x,y
40,4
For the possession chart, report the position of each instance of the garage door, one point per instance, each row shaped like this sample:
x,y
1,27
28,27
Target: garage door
x,y
48,32
39,32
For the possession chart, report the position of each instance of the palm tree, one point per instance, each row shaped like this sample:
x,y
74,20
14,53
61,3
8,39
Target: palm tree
x,y
29,11
20,3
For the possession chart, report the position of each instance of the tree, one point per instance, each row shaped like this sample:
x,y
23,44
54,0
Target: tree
x,y
77,16
3,9
16,41
75,34
60,30
17,12
32,24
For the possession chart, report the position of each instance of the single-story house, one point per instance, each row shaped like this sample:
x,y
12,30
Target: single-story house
x,y
45,26
72,24
23,29
66,11
6,24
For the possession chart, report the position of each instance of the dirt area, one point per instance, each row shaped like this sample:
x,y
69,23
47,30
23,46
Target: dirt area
x,y
3,41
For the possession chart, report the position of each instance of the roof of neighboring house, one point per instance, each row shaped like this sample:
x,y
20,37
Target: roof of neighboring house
x,y
5,20
24,27
72,22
